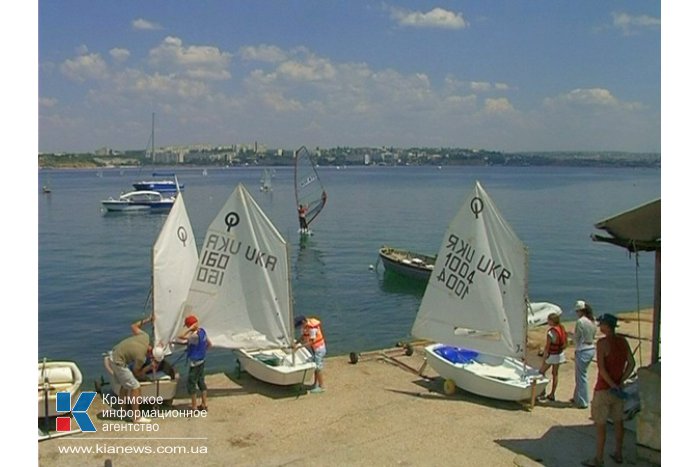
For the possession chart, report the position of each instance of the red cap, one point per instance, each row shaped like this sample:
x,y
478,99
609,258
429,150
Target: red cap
x,y
190,320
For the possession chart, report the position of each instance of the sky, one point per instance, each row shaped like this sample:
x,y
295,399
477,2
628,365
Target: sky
x,y
506,75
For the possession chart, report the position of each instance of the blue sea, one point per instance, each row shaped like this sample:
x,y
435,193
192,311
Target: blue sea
x,y
95,268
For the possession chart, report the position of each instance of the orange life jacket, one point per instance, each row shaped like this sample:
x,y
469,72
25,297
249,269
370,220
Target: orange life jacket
x,y
558,346
318,341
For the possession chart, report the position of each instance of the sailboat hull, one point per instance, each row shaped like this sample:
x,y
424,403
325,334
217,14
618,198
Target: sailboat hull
x,y
163,384
57,377
275,366
495,377
537,313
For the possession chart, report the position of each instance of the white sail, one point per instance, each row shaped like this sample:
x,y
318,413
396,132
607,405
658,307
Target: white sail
x,y
476,295
174,263
241,291
266,180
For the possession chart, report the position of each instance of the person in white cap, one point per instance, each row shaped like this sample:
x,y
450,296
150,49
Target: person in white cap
x,y
584,341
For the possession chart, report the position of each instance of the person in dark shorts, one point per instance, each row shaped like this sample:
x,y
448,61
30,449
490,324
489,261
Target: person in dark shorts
x,y
197,345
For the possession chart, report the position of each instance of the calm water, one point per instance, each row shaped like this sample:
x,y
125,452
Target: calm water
x,y
95,269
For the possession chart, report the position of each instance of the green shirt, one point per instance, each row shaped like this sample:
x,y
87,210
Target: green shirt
x,y
133,349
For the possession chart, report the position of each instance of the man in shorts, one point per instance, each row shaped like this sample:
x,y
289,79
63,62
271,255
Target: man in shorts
x,y
133,352
615,364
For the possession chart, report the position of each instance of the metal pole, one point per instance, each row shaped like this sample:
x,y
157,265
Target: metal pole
x,y
656,327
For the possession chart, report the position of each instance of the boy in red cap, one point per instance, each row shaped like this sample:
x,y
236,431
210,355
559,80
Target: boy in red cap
x,y
197,345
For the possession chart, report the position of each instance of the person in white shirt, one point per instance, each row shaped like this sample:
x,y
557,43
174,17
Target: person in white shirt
x,y
584,340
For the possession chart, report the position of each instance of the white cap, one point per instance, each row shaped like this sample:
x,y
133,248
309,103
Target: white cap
x,y
580,305
158,353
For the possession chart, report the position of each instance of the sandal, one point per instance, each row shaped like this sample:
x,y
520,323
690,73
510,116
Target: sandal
x,y
617,459
550,398
202,407
592,462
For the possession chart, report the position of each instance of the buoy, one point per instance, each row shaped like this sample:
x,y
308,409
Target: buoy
x,y
449,387
409,349
371,267
354,358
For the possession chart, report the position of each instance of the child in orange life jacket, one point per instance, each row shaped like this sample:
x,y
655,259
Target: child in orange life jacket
x,y
554,351
312,338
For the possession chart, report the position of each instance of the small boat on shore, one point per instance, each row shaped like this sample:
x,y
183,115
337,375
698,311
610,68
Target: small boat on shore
x,y
407,263
55,377
140,200
475,307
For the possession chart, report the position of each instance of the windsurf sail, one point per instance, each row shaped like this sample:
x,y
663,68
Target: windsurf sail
x,y
266,180
174,263
308,188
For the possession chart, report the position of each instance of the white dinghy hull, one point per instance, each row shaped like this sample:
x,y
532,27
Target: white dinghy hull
x,y
275,366
495,377
163,384
60,376
537,313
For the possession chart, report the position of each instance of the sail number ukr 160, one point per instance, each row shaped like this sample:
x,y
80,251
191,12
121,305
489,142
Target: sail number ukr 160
x,y
456,274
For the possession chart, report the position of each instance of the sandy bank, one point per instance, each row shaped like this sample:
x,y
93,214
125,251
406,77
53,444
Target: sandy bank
x,y
374,413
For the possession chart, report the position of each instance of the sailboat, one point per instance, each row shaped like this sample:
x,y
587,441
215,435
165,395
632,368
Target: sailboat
x,y
266,180
166,186
308,189
175,260
476,307
241,293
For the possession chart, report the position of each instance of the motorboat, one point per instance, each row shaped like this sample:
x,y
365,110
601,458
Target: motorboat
x,y
407,263
55,377
164,186
140,200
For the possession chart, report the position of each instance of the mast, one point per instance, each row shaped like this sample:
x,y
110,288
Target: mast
x,y
153,137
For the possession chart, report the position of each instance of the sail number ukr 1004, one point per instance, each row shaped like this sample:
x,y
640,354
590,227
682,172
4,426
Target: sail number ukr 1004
x,y
458,270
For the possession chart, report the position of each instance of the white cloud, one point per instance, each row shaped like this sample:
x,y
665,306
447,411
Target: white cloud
x,y
196,61
584,97
480,86
498,106
119,54
84,67
310,69
630,24
141,24
435,18
47,102
263,53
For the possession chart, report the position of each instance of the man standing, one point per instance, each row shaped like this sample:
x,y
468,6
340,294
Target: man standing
x,y
312,338
615,364
132,352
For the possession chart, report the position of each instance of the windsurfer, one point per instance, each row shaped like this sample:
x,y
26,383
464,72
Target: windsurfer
x,y
302,218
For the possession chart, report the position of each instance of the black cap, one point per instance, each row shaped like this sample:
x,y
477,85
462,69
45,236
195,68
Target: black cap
x,y
299,320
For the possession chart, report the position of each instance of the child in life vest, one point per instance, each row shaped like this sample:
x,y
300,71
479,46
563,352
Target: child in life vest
x,y
554,351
